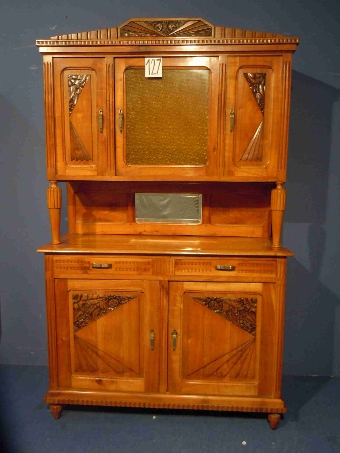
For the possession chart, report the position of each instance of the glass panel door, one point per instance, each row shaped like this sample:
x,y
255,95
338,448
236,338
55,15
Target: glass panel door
x,y
167,117
169,121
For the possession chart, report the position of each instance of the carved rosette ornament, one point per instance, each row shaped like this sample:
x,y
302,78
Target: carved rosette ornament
x,y
88,308
241,311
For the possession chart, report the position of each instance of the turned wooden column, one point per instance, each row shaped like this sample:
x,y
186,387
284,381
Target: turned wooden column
x,y
278,206
54,207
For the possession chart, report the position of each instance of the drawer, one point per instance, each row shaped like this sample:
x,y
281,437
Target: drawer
x,y
98,266
225,267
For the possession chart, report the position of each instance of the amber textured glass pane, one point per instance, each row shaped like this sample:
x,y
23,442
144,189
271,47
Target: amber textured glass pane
x,y
167,118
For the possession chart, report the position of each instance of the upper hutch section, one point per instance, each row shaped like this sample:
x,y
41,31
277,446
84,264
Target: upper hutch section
x,y
167,99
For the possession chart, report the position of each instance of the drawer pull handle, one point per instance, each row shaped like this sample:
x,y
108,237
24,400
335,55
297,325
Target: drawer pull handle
x,y
101,266
174,339
225,268
152,339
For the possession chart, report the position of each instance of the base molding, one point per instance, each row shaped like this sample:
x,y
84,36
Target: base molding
x,y
166,401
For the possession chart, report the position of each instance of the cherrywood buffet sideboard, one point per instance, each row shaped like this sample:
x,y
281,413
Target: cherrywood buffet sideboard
x,y
168,290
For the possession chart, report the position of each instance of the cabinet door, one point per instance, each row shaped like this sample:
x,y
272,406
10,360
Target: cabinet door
x,y
222,339
166,126
257,117
105,333
80,116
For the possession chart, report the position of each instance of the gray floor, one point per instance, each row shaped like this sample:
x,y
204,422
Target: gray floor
x,y
311,425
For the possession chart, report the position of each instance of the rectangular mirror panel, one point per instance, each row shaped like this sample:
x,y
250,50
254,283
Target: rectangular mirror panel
x,y
168,208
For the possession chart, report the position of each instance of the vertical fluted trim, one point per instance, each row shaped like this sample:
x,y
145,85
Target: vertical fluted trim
x,y
278,198
286,86
110,116
222,89
54,196
49,117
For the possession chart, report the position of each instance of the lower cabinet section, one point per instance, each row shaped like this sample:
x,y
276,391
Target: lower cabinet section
x,y
166,340
105,334
214,344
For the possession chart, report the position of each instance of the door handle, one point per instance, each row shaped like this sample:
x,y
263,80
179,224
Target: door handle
x,y
174,339
232,119
152,339
120,120
100,120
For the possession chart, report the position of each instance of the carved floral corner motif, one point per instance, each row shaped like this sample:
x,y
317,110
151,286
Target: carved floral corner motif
x,y
257,84
88,308
240,311
76,83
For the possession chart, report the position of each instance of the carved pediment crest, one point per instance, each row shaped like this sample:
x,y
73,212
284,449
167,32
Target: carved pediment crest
x,y
161,27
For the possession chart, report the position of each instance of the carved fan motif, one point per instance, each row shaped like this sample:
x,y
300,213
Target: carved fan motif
x,y
89,358
76,84
236,363
257,84
236,355
178,28
94,320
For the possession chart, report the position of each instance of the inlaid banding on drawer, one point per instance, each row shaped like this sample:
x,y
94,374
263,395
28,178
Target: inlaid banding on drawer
x,y
132,266
99,265
193,267
257,267
225,267
71,265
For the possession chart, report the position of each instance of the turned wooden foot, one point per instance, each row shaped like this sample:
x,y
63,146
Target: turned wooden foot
x,y
56,410
274,420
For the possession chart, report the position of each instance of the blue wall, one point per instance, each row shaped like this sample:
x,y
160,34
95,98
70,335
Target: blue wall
x,y
311,230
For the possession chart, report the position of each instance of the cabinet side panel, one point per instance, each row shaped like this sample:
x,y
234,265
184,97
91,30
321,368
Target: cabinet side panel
x,y
280,301
51,323
62,333
271,330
